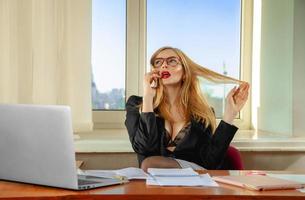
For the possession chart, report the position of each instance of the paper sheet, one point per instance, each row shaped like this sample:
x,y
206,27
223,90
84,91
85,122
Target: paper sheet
x,y
200,180
172,172
301,190
132,173
129,173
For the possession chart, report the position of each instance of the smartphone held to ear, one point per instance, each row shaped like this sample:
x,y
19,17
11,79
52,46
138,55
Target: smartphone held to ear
x,y
154,84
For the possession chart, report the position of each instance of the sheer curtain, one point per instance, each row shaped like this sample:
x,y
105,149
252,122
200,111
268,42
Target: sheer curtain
x,y
45,55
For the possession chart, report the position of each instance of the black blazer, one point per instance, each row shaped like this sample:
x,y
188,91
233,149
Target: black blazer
x,y
147,136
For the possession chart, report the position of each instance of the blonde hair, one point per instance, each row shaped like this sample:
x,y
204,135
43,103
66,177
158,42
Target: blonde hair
x,y
191,102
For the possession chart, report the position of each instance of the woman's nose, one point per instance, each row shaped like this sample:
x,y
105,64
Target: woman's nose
x,y
164,65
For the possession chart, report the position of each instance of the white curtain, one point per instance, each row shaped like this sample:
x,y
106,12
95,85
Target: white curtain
x,y
45,55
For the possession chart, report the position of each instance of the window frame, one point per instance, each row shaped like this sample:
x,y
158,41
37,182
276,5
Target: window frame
x,y
136,62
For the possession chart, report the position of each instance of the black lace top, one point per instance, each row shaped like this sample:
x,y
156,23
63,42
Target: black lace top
x,y
173,143
194,143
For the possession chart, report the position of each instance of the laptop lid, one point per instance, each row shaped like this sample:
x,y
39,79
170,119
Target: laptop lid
x,y
36,145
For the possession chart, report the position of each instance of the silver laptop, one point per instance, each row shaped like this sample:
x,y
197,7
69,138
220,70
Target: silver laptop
x,y
36,146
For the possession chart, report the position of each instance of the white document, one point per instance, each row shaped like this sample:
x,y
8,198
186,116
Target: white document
x,y
172,172
132,173
129,173
199,180
178,177
301,190
290,177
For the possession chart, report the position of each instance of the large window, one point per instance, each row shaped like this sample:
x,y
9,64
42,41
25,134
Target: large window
x,y
206,30
211,32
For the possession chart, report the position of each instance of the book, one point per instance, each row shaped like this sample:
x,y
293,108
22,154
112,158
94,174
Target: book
x,y
258,182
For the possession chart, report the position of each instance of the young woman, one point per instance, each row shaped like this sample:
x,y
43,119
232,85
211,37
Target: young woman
x,y
173,126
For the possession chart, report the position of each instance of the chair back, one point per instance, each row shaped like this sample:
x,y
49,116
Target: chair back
x,y
232,160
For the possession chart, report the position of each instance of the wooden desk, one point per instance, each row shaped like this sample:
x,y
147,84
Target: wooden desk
x,y
138,190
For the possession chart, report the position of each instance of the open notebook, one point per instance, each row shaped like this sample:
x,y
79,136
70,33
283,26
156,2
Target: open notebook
x,y
258,182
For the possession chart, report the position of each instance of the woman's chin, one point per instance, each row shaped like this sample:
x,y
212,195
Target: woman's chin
x,y
168,83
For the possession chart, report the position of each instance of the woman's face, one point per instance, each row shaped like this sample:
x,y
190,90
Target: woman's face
x,y
169,66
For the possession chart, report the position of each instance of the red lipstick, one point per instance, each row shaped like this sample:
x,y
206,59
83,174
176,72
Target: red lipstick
x,y
165,74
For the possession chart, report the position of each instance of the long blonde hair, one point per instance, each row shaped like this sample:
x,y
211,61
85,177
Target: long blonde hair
x,y
191,102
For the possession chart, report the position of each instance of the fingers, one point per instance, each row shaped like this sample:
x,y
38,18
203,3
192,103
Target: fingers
x,y
154,79
230,96
232,92
154,72
237,97
242,96
153,75
242,91
236,93
151,78
245,93
244,86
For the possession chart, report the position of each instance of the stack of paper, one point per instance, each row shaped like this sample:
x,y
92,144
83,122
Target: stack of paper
x,y
178,177
128,173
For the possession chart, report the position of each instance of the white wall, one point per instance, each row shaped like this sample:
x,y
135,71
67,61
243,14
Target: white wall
x,y
282,75
299,69
275,112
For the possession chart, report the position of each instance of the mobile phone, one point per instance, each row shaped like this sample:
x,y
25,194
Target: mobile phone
x,y
154,83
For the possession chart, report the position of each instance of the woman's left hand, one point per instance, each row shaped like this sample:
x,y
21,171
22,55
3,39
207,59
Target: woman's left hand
x,y
235,101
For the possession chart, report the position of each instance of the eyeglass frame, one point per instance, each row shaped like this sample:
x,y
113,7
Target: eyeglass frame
x,y
167,62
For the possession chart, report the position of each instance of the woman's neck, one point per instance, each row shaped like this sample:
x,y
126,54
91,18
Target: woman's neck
x,y
172,93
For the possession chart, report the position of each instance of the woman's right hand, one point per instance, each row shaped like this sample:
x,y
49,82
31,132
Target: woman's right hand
x,y
150,82
149,91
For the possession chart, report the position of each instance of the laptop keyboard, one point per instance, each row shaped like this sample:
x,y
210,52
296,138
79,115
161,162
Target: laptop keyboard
x,y
86,182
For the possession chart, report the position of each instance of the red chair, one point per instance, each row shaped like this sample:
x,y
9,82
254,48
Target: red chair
x,y
232,160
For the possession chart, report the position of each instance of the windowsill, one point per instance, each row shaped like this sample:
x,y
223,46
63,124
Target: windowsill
x,y
250,140
103,141
116,141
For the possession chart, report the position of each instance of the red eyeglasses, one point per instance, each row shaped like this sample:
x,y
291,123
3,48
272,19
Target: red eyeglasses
x,y
170,61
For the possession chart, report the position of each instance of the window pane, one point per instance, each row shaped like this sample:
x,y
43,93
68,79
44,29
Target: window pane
x,y
108,54
208,31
